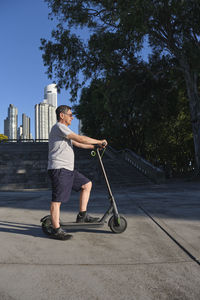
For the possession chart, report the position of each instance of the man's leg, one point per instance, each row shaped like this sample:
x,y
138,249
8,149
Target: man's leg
x,y
55,214
84,198
57,232
85,195
59,194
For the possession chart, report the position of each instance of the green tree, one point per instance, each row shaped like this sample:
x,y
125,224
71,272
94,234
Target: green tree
x,y
3,137
144,112
117,31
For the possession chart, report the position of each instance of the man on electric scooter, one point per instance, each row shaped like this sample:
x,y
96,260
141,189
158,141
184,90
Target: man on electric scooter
x,y
61,170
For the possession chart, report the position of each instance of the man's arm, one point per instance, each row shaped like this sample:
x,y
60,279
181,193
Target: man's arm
x,y
83,146
86,142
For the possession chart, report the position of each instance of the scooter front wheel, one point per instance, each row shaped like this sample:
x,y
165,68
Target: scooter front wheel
x,y
117,225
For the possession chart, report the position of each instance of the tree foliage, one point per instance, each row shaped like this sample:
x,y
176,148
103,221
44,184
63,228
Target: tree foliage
x,y
137,99
153,118
117,30
3,137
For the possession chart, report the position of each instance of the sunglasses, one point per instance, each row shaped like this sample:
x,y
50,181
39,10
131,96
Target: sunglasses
x,y
68,115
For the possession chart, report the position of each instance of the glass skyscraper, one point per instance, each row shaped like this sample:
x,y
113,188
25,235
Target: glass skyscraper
x,y
45,116
26,134
10,123
50,94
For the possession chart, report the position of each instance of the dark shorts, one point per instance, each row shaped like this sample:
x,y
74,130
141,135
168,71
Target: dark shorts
x,y
63,181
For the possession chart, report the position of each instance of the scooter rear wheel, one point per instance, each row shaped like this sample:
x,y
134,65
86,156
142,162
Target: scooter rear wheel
x,y
117,226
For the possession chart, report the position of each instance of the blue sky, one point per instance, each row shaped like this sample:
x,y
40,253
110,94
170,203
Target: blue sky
x,y
22,74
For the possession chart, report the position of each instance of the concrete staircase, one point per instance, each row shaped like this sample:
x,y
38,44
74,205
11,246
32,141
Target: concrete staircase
x,y
119,172
23,165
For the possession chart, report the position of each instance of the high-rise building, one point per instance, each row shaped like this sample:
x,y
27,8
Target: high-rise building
x,y
26,130
6,127
10,123
41,121
51,117
45,116
13,120
19,132
50,94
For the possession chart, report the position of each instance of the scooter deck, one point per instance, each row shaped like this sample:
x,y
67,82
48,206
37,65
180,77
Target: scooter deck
x,y
74,225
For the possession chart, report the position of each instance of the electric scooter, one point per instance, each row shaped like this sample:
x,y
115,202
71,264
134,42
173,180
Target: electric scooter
x,y
117,222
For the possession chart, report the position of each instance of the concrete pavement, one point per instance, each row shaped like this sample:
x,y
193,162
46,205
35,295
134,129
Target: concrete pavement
x,y
157,257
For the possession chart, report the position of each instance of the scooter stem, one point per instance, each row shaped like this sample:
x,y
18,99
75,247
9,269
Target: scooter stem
x,y
108,184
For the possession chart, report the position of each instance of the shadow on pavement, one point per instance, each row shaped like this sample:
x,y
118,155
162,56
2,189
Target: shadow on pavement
x,y
176,200
36,230
21,228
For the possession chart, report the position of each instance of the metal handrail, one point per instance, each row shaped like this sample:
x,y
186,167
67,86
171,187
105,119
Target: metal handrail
x,y
154,173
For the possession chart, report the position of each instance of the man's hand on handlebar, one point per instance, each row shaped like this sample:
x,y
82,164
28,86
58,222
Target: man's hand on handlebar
x,y
103,144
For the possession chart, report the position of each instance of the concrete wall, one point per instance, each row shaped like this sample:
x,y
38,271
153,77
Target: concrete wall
x,y
23,165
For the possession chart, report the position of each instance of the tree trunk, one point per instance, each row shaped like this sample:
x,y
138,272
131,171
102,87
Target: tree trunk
x,y
191,78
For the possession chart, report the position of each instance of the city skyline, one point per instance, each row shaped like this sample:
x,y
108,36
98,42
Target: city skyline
x,y
45,118
45,113
11,127
22,74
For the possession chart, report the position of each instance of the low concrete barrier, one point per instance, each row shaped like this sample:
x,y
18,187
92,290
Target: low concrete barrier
x,y
23,165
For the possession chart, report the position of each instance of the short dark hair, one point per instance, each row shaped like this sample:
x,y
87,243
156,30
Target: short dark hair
x,y
61,109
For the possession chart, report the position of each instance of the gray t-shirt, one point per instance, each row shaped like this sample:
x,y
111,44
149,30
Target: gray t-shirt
x,y
61,154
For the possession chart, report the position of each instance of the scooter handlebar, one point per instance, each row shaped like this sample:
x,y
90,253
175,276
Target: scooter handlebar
x,y
97,146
